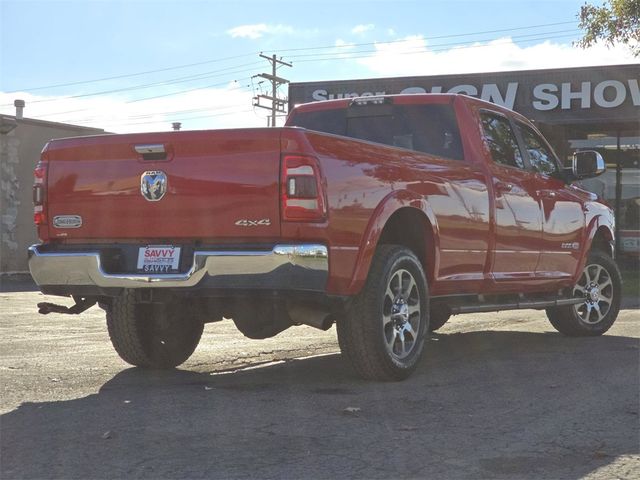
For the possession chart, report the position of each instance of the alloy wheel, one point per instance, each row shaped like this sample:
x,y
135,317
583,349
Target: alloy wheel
x,y
597,288
401,314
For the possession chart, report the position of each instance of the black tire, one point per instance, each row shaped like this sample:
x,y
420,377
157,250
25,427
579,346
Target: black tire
x,y
601,285
152,335
373,332
438,316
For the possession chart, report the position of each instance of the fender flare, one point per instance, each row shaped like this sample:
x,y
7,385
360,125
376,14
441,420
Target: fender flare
x,y
388,206
599,223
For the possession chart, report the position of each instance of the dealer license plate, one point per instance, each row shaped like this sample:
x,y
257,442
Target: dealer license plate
x,y
159,259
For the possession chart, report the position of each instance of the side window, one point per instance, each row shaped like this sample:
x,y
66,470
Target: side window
x,y
431,129
541,158
501,140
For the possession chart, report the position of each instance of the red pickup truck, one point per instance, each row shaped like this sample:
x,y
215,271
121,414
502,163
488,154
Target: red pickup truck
x,y
383,215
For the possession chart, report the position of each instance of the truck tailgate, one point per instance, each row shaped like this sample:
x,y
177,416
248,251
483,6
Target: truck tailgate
x,y
219,185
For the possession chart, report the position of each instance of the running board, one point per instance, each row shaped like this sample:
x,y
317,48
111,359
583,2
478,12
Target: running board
x,y
519,305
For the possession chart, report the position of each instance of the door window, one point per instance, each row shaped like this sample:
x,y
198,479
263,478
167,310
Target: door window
x,y
501,140
540,155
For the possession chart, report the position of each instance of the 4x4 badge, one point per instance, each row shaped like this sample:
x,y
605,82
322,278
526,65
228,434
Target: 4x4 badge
x,y
265,222
153,185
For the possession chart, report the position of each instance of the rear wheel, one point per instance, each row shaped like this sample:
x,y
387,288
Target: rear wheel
x,y
148,335
600,285
382,333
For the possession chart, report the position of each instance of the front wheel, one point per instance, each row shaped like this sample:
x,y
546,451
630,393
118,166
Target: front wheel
x,y
600,285
383,331
159,336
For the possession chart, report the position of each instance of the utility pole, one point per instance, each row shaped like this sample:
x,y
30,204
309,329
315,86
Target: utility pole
x,y
277,105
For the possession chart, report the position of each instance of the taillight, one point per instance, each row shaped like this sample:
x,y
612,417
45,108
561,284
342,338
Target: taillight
x,y
39,193
302,193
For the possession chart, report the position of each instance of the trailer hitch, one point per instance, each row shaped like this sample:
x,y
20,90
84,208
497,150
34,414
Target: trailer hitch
x,y
82,304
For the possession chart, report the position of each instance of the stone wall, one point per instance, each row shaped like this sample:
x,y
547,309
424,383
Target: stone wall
x,y
19,152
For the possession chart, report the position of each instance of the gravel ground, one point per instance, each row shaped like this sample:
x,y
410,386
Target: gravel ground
x,y
497,396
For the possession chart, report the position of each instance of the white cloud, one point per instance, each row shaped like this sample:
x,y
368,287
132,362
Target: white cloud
x,y
209,108
414,56
258,30
231,106
360,29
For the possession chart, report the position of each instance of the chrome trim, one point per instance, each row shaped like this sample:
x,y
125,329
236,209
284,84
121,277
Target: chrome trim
x,y
302,170
150,148
67,221
600,165
153,185
294,267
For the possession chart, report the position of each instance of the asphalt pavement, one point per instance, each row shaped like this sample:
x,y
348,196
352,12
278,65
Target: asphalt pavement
x,y
498,395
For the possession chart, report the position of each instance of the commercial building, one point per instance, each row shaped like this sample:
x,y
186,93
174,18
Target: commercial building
x,y
588,108
21,141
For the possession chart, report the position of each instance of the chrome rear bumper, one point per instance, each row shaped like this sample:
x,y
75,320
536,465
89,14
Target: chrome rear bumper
x,y
302,267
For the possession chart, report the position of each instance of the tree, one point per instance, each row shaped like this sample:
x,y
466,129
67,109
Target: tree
x,y
615,21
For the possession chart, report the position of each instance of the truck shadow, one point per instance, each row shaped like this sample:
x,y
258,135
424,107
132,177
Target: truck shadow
x,y
482,405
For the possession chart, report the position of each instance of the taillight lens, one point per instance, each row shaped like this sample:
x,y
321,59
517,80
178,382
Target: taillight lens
x,y
39,193
302,193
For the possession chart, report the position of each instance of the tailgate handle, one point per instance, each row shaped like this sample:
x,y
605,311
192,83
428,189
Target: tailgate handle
x,y
155,151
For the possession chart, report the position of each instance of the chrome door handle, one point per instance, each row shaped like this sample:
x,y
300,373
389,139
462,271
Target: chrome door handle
x,y
547,194
504,187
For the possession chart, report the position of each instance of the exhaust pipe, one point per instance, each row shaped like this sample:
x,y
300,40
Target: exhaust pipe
x,y
311,315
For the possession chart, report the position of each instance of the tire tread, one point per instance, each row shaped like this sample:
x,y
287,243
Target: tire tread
x,y
124,317
357,331
123,330
565,320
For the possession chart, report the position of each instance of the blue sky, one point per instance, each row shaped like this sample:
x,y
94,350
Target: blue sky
x,y
46,43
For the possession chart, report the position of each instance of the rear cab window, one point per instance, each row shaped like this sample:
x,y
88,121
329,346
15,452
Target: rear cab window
x,y
425,128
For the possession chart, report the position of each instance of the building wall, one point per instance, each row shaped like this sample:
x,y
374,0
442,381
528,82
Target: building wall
x,y
19,152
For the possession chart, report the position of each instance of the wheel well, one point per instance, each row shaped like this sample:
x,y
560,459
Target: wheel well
x,y
602,241
410,228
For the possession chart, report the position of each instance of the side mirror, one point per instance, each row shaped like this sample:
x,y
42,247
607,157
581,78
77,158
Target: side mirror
x,y
587,164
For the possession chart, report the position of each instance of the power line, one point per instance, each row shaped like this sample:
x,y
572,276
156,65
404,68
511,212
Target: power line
x,y
87,109
318,57
115,77
149,115
542,35
191,78
439,37
187,91
346,56
217,60
158,96
329,56
324,57
93,118
221,114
